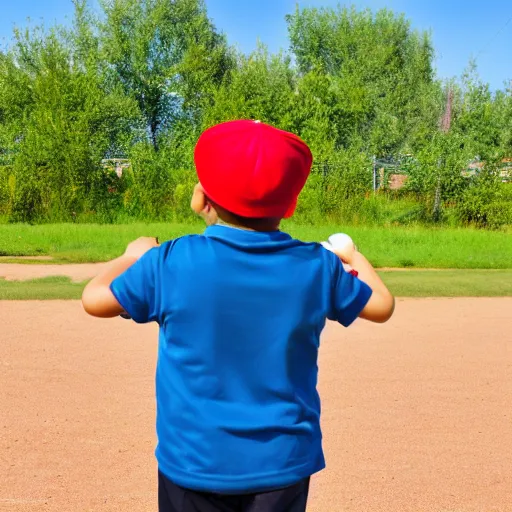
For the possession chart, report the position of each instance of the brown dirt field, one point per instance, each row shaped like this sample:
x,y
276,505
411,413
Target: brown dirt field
x,y
83,271
416,413
76,271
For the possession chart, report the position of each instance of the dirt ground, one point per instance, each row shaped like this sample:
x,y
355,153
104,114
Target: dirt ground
x,y
417,413
76,271
83,271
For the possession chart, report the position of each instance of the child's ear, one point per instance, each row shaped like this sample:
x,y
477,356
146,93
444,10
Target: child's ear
x,y
202,206
210,214
199,201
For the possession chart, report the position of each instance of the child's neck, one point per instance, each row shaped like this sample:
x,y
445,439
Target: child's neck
x,y
262,226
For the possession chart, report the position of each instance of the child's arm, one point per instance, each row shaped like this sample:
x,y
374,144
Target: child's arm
x,y
97,298
381,305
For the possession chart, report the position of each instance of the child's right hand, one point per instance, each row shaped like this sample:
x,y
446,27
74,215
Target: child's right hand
x,y
141,246
343,246
345,254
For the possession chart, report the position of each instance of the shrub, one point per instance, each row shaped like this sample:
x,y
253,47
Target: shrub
x,y
7,187
486,205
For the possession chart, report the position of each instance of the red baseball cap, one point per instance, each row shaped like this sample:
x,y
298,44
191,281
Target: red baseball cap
x,y
252,169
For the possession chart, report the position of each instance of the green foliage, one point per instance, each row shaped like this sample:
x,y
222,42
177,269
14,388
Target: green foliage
x,y
155,192
259,87
486,203
166,55
365,71
7,188
67,123
437,173
478,121
141,80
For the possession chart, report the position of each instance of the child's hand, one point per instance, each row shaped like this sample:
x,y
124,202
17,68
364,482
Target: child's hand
x,y
139,247
343,246
345,254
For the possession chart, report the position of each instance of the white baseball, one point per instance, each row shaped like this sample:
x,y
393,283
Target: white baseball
x,y
337,241
341,241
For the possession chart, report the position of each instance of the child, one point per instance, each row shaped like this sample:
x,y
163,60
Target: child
x,y
240,310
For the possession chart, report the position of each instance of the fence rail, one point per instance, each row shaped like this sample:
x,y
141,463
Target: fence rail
x,y
392,173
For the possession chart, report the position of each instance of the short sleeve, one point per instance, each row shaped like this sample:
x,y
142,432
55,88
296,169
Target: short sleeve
x,y
136,289
349,295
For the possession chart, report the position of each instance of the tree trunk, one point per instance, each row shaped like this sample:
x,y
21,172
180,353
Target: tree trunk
x,y
436,212
153,127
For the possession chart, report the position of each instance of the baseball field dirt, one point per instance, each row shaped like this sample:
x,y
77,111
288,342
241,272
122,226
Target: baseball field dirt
x,y
76,271
416,413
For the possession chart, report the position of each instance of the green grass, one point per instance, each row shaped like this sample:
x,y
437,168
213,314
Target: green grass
x,y
418,247
46,288
423,247
421,283
80,243
449,283
29,261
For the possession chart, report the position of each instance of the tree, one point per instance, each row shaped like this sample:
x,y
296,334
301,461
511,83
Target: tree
x,y
370,70
144,77
59,126
478,118
502,109
260,86
166,55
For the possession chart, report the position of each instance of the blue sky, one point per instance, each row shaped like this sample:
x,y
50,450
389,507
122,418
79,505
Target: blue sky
x,y
461,30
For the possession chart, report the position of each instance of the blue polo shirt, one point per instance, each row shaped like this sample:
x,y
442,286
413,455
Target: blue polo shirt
x,y
240,317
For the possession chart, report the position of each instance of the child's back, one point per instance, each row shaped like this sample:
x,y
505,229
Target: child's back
x,y
241,314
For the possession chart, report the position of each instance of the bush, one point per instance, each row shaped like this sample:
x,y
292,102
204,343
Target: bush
x,y
486,205
310,201
7,186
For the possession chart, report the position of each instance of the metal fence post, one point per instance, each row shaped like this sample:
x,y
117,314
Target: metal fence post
x,y
374,173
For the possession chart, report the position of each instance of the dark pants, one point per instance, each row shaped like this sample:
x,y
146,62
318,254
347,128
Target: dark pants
x,y
173,498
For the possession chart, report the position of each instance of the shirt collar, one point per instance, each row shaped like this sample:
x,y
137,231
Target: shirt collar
x,y
232,233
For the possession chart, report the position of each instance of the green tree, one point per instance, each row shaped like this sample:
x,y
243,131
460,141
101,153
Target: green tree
x,y
502,109
62,125
369,70
437,177
141,79
478,118
166,55
260,86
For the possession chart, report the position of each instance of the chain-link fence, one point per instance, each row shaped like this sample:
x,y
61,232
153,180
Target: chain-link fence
x,y
391,173
387,173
